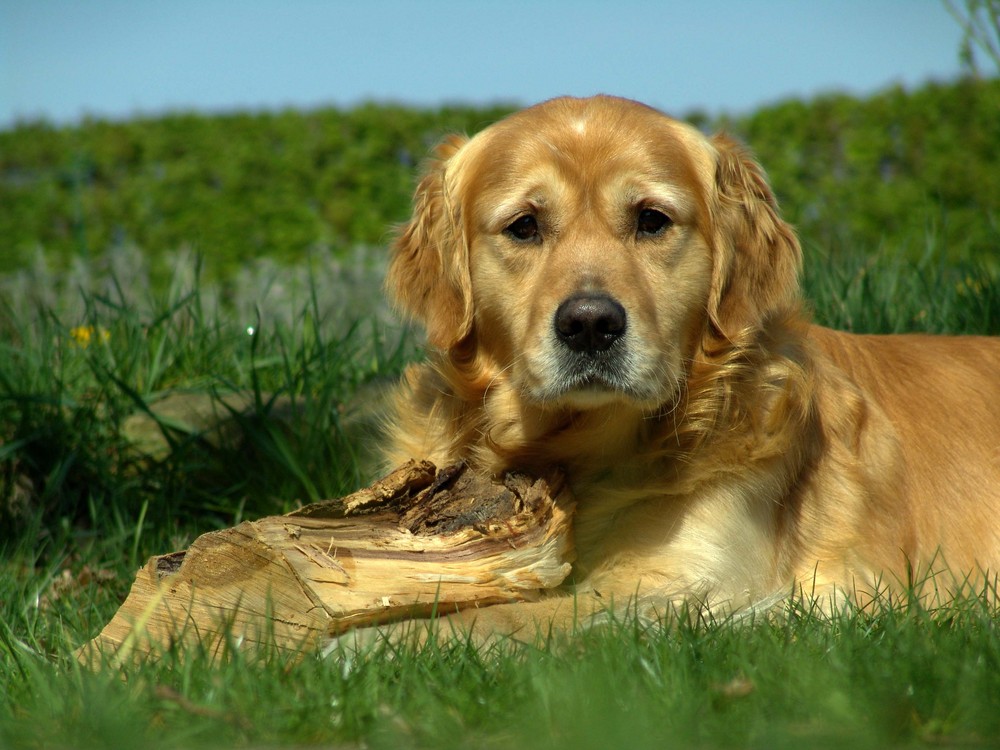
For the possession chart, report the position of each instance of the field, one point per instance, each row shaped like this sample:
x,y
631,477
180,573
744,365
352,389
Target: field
x,y
95,333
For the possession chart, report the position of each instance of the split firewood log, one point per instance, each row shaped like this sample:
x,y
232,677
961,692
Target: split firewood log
x,y
417,542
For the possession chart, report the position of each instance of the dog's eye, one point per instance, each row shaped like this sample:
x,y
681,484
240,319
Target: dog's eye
x,y
525,228
651,222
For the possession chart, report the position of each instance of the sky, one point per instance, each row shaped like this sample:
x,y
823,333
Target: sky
x,y
64,59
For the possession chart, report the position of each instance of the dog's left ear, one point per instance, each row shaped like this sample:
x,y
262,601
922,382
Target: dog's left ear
x,y
757,255
428,275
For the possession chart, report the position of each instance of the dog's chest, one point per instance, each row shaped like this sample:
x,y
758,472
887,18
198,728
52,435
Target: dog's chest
x,y
719,540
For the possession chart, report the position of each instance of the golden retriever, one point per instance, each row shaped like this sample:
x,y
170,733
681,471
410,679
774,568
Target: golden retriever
x,y
608,290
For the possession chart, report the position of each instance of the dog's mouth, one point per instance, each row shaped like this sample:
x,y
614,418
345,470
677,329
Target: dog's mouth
x,y
596,375
587,382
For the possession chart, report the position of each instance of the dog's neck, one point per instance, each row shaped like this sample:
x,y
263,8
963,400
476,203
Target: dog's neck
x,y
528,436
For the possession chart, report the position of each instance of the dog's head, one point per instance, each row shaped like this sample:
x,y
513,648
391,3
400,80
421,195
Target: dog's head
x,y
590,249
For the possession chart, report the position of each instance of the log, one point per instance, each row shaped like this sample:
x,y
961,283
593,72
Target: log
x,y
418,542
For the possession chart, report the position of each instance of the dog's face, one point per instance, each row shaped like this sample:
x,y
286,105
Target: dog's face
x,y
587,247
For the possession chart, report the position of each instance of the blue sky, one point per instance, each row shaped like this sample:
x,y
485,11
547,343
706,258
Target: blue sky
x,y
62,59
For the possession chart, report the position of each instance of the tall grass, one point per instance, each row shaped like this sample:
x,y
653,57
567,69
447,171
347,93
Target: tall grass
x,y
85,368
887,291
97,474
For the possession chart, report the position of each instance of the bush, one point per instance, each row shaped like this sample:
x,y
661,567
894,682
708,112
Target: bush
x,y
239,187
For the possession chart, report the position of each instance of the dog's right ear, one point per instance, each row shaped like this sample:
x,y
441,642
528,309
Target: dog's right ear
x,y
428,276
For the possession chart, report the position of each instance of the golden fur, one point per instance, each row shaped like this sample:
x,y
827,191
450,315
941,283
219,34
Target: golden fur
x,y
721,447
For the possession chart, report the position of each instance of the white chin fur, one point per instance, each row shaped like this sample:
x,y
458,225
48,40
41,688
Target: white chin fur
x,y
592,398
589,398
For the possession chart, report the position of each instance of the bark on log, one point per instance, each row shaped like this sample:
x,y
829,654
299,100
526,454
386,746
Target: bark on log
x,y
416,542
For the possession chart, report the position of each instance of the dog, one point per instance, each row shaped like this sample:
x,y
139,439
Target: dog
x,y
608,290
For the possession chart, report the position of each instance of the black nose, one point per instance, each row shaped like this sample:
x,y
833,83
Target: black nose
x,y
590,323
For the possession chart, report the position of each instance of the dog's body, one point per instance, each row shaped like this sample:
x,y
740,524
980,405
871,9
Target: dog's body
x,y
607,290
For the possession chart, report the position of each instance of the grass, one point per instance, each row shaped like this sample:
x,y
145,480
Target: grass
x,y
84,360
884,678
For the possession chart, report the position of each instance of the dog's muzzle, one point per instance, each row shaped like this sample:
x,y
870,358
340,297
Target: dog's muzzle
x,y
593,356
592,352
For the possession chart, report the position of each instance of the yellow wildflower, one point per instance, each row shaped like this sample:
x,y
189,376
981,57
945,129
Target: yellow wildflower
x,y
84,335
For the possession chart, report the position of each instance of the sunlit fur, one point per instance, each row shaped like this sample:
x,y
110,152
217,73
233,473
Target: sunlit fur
x,y
736,451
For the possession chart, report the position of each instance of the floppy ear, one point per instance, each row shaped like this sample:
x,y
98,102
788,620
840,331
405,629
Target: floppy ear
x,y
757,256
428,275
